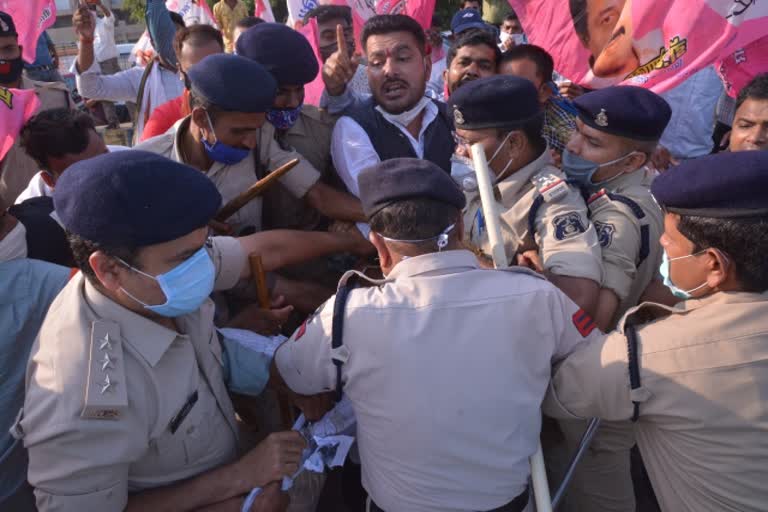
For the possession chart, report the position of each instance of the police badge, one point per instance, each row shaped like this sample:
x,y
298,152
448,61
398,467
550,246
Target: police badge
x,y
568,225
601,119
605,233
458,117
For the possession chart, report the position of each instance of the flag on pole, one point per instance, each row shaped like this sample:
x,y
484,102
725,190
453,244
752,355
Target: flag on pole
x,y
16,107
31,18
651,43
314,89
297,9
263,10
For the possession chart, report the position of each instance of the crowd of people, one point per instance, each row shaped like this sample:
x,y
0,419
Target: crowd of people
x,y
634,228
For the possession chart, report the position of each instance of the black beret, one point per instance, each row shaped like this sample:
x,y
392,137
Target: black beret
x,y
134,198
233,83
626,111
283,51
500,101
406,178
721,185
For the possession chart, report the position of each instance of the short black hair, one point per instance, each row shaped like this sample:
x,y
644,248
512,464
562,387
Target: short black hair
x,y
756,89
324,13
743,239
532,129
465,2
414,219
579,16
82,250
388,23
55,133
249,21
197,100
545,65
196,35
511,16
177,19
473,37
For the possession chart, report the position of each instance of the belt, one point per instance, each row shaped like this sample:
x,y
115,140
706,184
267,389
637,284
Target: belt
x,y
516,505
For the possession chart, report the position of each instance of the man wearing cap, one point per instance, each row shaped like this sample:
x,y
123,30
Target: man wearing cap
x,y
696,384
617,130
17,168
426,395
135,412
226,137
289,57
468,19
540,212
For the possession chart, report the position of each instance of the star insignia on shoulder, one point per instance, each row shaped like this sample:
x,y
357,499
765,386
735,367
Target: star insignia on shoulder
x,y
107,363
105,343
458,117
106,385
601,119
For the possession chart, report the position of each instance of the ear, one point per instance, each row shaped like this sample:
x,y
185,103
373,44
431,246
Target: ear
x,y
637,160
720,268
428,65
200,118
545,92
107,269
385,257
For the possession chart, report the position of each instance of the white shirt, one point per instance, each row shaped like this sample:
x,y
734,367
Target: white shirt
x,y
104,38
448,365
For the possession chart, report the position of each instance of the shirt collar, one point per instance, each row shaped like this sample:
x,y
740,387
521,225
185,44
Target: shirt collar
x,y
640,177
148,338
180,128
445,262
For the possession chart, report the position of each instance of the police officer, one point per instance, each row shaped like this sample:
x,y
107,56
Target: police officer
x,y
428,355
540,212
226,137
617,130
127,385
17,168
697,379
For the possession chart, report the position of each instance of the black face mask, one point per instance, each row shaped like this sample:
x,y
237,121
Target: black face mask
x,y
10,70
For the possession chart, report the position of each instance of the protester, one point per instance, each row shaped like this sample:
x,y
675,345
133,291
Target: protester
x,y
398,121
147,267
45,68
473,54
750,122
17,168
696,382
467,19
436,82
243,25
539,211
27,289
227,14
191,45
473,4
406,339
105,53
534,63
148,87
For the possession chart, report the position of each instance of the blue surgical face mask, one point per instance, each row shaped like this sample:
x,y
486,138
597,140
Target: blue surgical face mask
x,y
220,152
664,270
283,118
186,286
580,170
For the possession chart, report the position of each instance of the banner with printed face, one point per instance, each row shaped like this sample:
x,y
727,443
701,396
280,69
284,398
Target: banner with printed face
x,y
16,107
31,18
650,43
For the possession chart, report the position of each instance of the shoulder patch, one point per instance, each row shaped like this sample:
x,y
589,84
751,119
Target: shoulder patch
x,y
550,186
598,200
106,396
583,323
605,231
568,225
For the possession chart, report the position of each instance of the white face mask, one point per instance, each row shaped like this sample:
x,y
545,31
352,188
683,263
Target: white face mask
x,y
504,37
14,245
407,117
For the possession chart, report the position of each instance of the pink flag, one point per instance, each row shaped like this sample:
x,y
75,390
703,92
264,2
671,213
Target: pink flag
x,y
16,107
738,68
263,10
31,18
314,89
651,43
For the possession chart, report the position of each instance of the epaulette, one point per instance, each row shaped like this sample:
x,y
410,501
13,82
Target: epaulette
x,y
550,186
598,200
106,396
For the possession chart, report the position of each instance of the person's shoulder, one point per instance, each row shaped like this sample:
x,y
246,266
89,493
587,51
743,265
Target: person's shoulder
x,y
28,275
313,115
552,187
161,144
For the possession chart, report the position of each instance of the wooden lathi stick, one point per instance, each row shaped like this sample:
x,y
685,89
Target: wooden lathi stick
x,y
260,279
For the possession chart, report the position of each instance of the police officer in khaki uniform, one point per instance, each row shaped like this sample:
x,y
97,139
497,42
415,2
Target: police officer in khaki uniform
x,y
693,376
17,168
127,385
437,358
540,212
226,137
617,130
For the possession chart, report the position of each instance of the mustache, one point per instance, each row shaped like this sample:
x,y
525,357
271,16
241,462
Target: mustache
x,y
394,81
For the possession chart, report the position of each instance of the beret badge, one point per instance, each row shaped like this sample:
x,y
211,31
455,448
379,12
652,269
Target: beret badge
x,y
601,119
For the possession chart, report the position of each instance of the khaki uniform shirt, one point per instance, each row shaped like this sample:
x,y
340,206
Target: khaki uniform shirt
x,y
565,238
629,236
18,168
106,390
231,180
434,354
226,18
703,425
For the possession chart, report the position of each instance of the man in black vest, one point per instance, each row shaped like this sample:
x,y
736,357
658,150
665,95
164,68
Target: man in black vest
x,y
398,121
